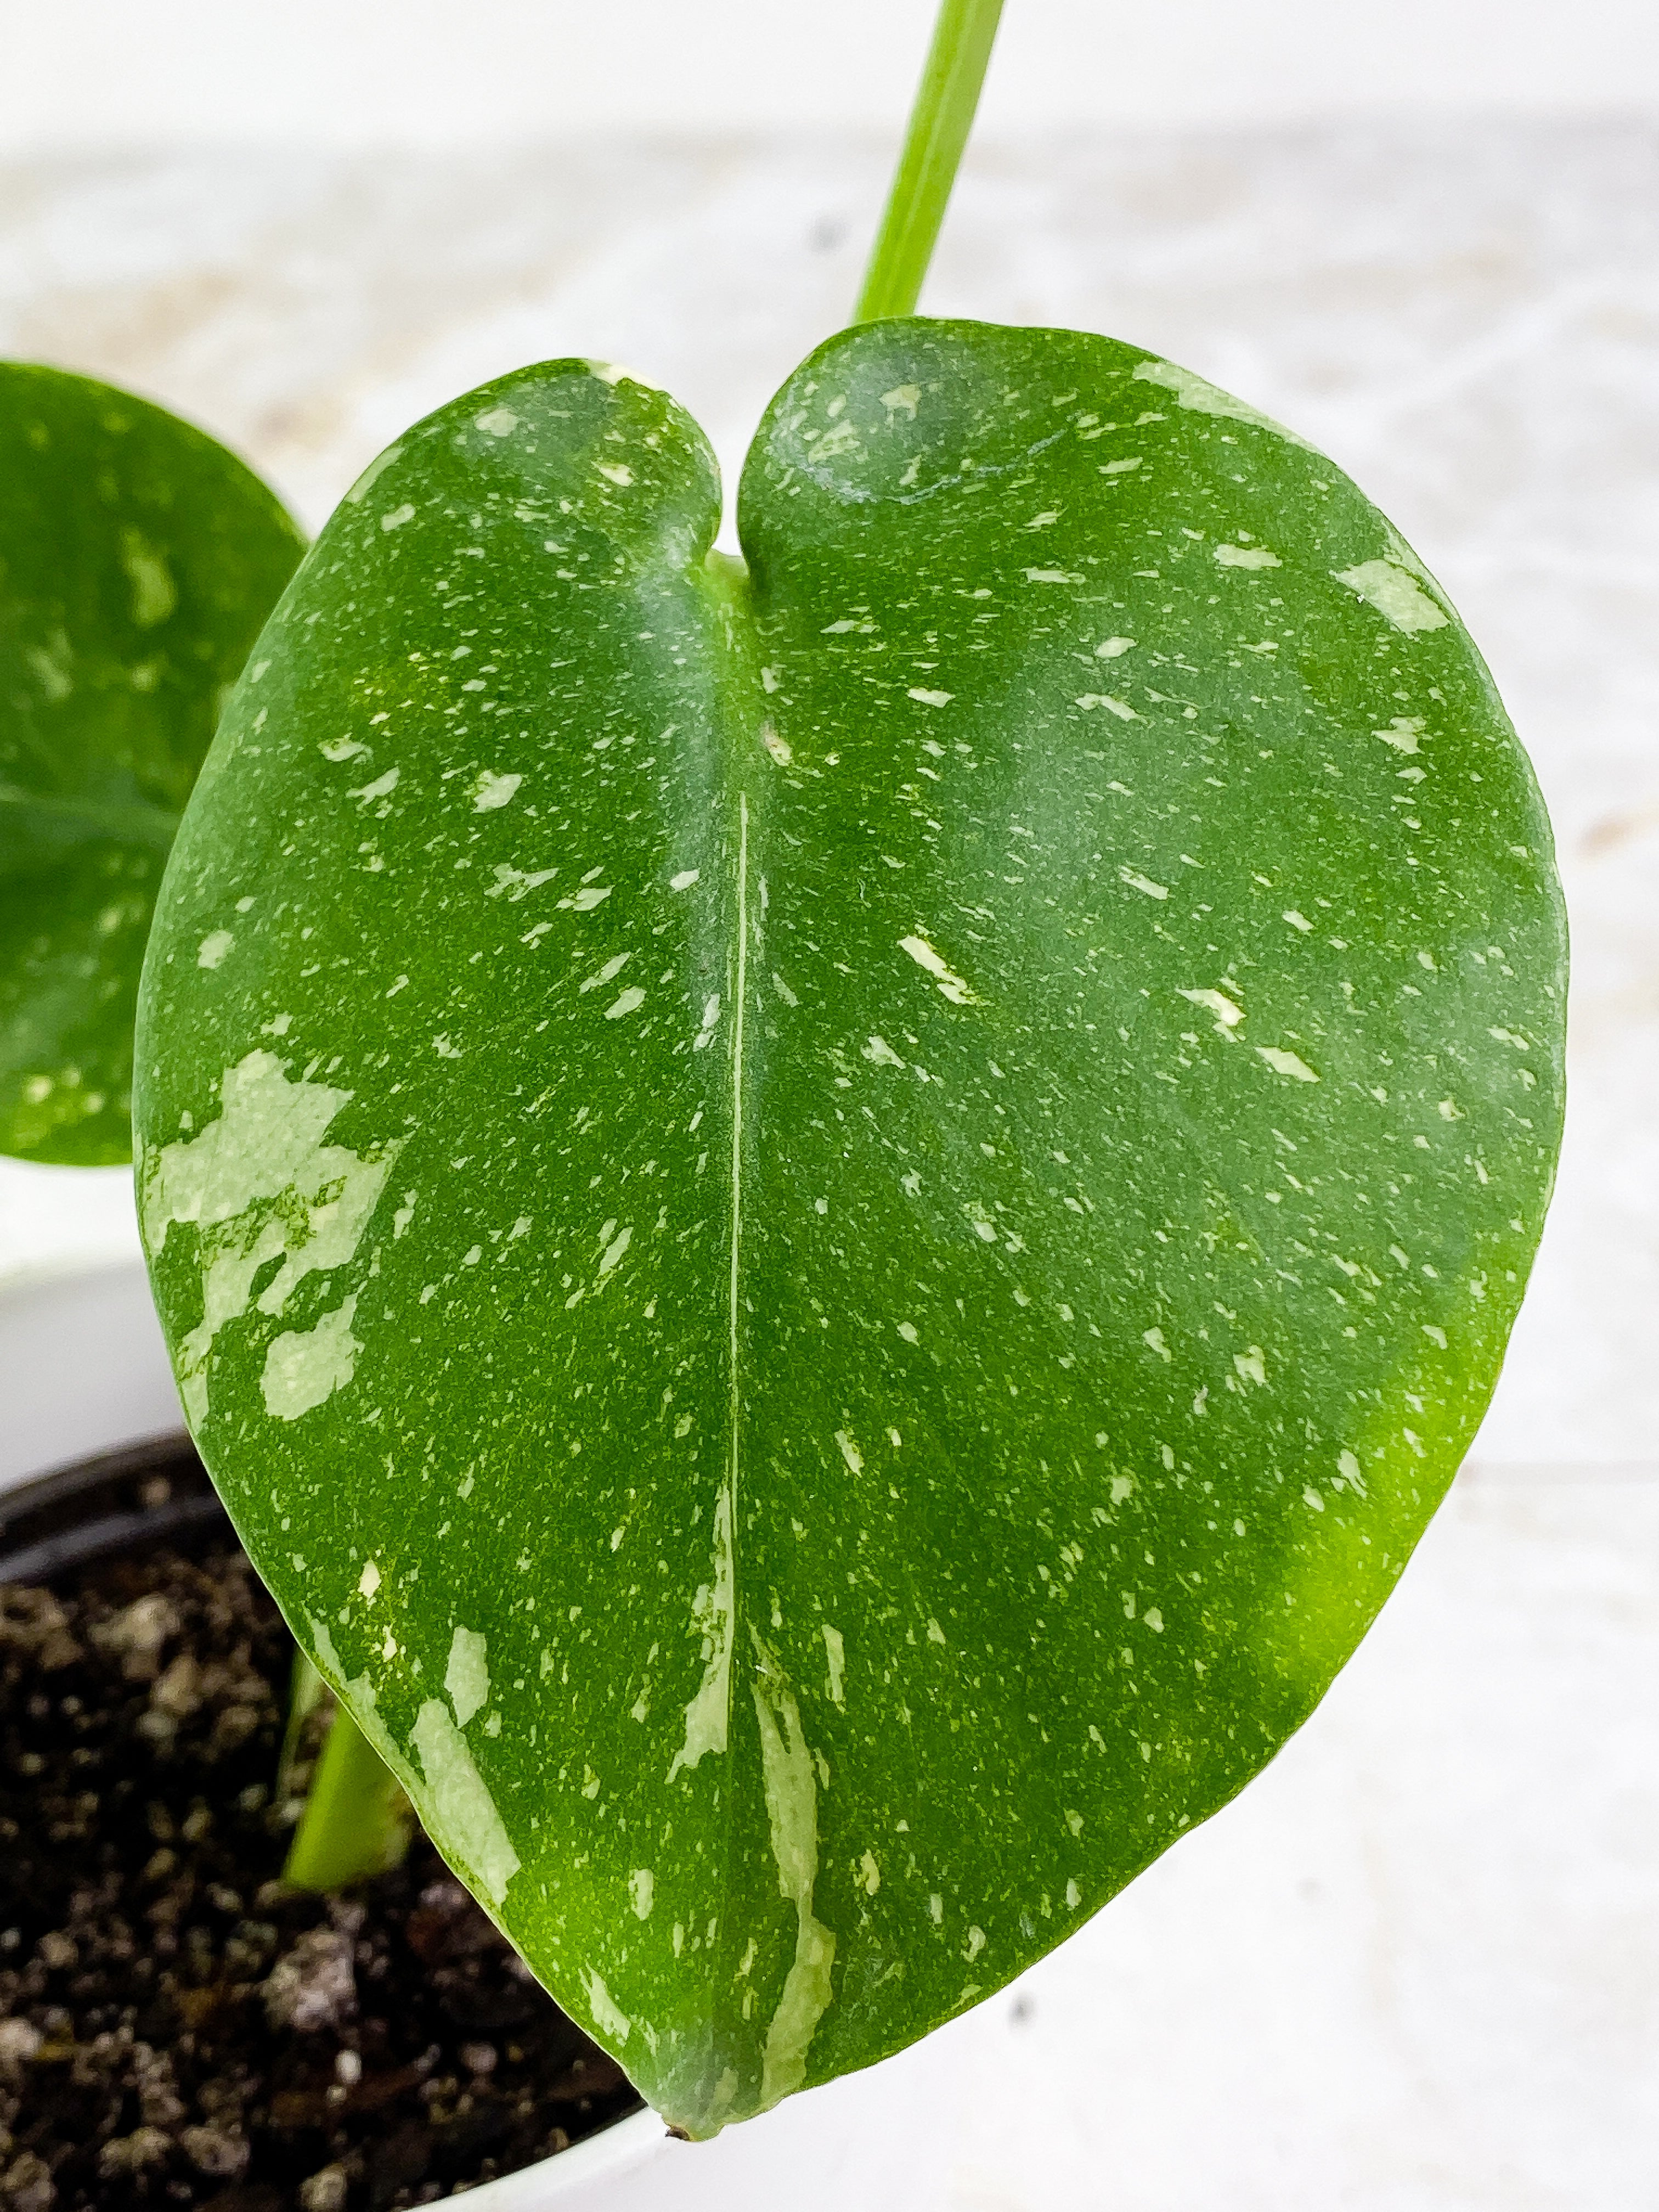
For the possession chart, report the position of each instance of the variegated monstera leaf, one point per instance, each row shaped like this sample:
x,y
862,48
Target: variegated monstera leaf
x,y
834,1220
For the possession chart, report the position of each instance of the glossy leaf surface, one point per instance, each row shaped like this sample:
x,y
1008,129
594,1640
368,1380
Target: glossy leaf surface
x,y
832,1234
138,561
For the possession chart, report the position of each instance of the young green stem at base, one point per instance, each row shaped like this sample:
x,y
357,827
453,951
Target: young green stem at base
x,y
357,1820
939,124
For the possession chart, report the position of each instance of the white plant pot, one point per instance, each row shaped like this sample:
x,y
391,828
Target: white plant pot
x,y
83,1371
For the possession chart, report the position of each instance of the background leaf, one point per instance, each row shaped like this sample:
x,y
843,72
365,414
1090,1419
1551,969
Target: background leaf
x,y
138,561
832,1240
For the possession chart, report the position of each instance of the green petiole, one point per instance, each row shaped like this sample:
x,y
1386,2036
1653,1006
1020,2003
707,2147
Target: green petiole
x,y
356,1819
938,127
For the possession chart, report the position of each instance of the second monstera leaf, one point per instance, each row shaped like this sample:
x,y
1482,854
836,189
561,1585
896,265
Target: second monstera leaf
x,y
832,1227
138,561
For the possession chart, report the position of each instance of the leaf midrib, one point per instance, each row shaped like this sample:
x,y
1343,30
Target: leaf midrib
x,y
741,986
739,706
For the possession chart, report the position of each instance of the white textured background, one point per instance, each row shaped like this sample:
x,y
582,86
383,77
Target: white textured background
x,y
432,73
1416,1969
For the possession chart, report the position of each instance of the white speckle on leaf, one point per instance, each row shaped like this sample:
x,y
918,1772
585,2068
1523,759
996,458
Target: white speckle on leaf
x,y
626,1002
614,1251
641,1892
154,595
1287,1063
1227,1015
880,1054
930,698
213,948
1396,595
950,984
791,1793
1198,397
369,1581
1246,557
608,973
711,1014
466,1677
382,787
608,2015
490,791
684,881
849,1451
1089,700
266,1145
1113,648
1404,733
1137,882
498,423
304,1367
1252,1366
1051,576
53,666
709,1713
834,1652
517,882
904,395
455,1808
397,517
1154,1338
618,473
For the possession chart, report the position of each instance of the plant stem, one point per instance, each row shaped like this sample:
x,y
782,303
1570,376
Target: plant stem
x,y
939,124
357,1820
306,1689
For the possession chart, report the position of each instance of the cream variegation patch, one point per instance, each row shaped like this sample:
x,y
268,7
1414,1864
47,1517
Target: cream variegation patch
x,y
259,1184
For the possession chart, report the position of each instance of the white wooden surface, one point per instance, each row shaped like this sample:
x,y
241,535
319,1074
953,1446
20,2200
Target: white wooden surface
x,y
1416,1968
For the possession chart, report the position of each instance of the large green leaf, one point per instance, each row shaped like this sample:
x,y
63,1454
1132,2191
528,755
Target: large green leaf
x,y
138,561
833,1234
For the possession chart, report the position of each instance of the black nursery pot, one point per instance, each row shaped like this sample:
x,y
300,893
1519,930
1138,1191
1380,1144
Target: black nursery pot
x,y
176,2027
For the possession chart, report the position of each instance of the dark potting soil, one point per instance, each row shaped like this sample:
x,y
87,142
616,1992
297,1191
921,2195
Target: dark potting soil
x,y
176,2028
